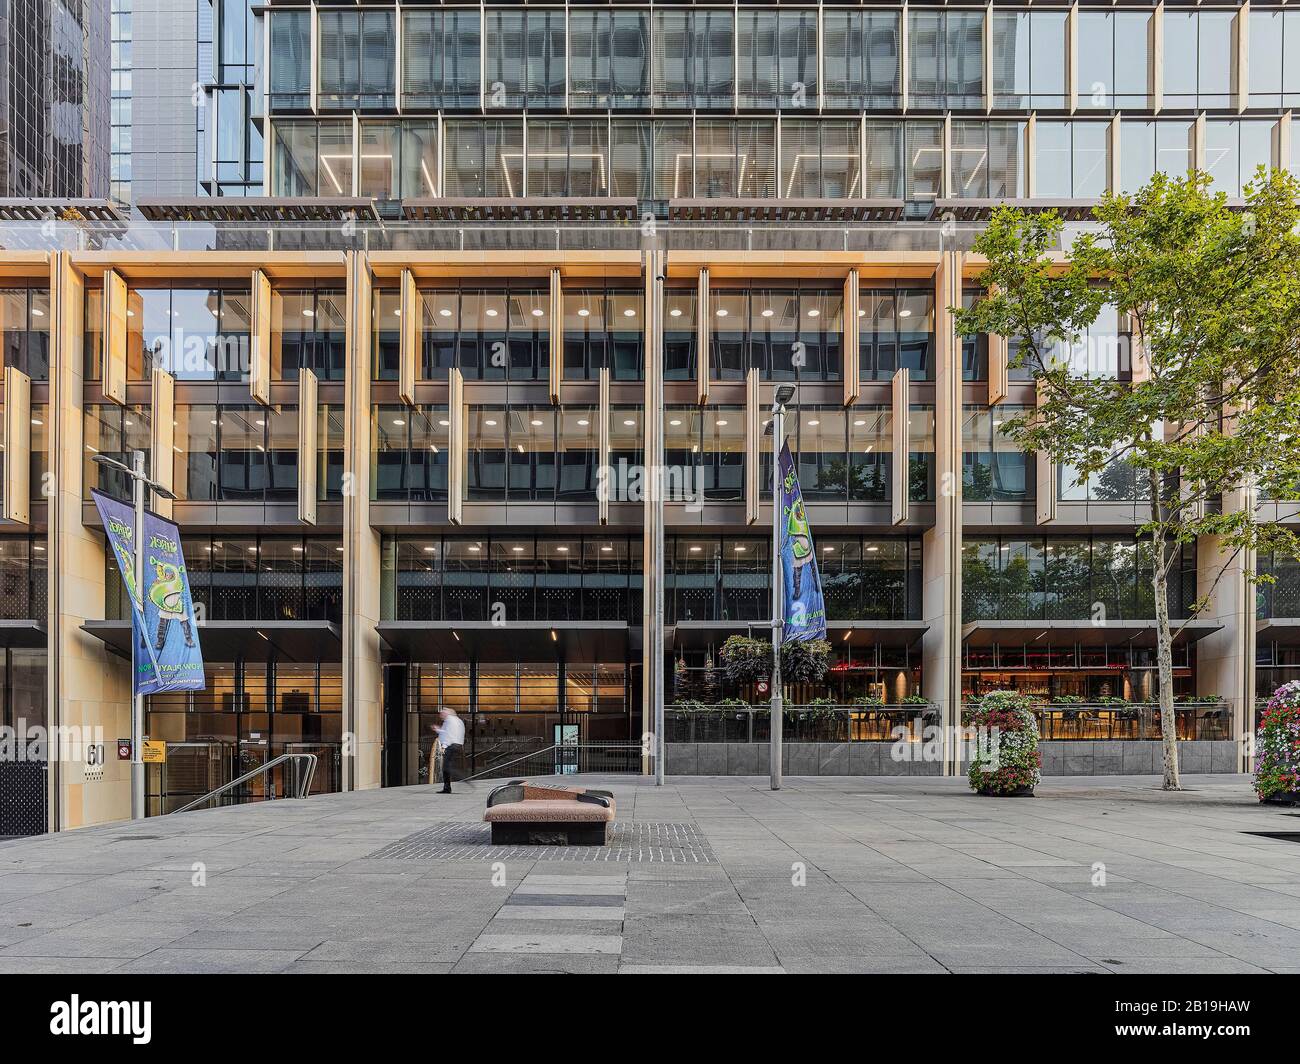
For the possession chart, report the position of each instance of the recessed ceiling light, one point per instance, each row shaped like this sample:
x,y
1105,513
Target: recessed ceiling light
x,y
430,550
872,549
307,312
814,312
740,549
696,550
583,422
630,424
398,422
445,312
768,312
676,312
722,312
814,422
720,423
675,422
607,549
297,549
517,550
861,313
629,313
536,421
491,313
444,422
904,313
583,312
397,313
37,421
474,548
563,550
827,550
537,312
490,423
859,422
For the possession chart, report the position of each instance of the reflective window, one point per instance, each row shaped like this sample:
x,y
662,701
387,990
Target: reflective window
x,y
1114,59
608,59
777,59
441,59
1071,160
1235,150
398,160
1029,60
290,51
821,159
987,160
357,62
694,58
600,332
409,449
25,331
1197,61
523,56
947,60
860,53
993,468
1148,147
896,331
483,159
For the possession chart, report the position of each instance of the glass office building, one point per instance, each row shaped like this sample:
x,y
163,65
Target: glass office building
x,y
491,263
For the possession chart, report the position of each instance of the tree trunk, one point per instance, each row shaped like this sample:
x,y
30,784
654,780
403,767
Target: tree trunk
x,y
1165,664
1164,641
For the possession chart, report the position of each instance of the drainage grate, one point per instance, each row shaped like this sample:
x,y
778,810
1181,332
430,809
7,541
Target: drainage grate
x,y
1281,836
635,841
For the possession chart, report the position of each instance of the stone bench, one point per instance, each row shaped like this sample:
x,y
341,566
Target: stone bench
x,y
530,814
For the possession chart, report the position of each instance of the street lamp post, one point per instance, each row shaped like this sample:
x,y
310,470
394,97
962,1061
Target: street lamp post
x,y
140,483
783,395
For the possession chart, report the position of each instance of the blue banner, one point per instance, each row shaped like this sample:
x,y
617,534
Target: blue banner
x,y
118,518
169,617
805,610
163,630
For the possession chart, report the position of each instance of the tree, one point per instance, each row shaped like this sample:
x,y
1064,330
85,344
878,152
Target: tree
x,y
1212,299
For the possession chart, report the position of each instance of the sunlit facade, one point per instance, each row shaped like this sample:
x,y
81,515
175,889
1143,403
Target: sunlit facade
x,y
502,261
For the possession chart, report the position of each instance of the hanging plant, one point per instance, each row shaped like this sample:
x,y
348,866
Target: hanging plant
x,y
746,660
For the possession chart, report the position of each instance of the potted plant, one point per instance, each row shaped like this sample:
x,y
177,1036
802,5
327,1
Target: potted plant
x,y
746,660
1006,762
1277,760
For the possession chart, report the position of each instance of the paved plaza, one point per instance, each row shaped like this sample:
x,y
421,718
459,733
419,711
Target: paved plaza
x,y
831,874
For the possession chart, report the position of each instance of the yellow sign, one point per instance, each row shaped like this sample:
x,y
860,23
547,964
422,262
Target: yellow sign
x,y
154,752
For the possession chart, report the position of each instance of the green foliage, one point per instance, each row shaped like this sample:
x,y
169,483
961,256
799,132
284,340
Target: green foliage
x,y
1006,757
746,660
1212,297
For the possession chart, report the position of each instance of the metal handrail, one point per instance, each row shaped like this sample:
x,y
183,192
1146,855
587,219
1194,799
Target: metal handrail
x,y
549,749
303,779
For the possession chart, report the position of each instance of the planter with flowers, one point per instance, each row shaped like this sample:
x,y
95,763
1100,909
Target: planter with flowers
x,y
1005,762
1277,748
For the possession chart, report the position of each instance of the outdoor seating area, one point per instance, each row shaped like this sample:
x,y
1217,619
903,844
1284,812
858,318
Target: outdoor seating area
x,y
529,814
820,723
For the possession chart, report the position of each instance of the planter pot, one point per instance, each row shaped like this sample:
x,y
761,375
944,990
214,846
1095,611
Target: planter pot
x,y
1283,798
1019,792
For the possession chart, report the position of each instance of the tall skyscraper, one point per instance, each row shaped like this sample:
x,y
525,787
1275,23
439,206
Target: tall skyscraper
x,y
54,98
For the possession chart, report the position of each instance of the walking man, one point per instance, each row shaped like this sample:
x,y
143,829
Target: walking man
x,y
451,734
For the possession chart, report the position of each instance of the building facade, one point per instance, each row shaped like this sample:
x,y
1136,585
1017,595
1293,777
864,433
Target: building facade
x,y
506,260
54,90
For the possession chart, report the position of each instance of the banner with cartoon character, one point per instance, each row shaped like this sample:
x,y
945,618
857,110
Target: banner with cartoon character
x,y
166,639
805,610
169,620
119,526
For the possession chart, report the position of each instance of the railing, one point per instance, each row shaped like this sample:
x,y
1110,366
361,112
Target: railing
x,y
738,723
1130,720
304,768
566,759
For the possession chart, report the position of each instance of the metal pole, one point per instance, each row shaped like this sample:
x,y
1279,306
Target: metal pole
x,y
654,327
778,589
137,702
